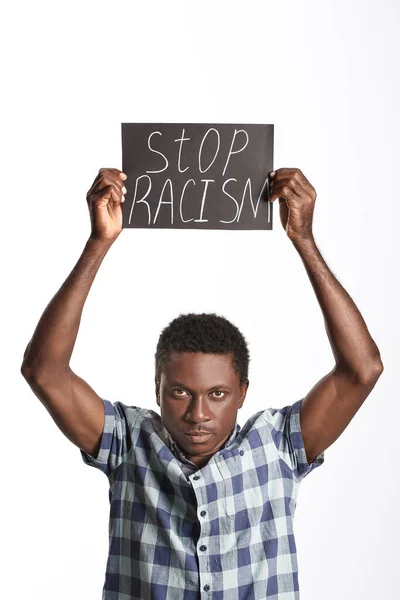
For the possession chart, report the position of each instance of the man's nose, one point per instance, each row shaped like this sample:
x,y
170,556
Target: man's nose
x,y
198,410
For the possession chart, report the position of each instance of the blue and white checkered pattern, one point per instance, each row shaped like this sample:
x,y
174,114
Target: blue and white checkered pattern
x,y
223,532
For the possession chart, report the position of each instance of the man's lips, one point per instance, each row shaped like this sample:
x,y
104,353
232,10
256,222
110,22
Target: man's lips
x,y
199,437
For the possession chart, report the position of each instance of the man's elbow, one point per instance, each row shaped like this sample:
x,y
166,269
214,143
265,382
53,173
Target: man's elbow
x,y
26,371
370,375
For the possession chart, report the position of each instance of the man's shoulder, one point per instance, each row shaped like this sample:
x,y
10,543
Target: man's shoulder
x,y
275,418
128,412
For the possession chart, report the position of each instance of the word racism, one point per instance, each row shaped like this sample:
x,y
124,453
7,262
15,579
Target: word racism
x,y
197,175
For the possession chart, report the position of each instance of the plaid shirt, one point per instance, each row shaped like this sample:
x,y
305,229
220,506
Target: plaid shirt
x,y
221,532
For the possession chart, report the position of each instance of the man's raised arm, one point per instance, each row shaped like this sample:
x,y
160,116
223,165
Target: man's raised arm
x,y
331,404
73,404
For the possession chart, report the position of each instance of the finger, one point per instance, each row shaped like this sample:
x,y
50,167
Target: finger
x,y
298,176
109,184
107,193
286,189
283,172
117,194
95,181
287,171
305,184
293,184
108,175
116,172
114,178
284,193
108,179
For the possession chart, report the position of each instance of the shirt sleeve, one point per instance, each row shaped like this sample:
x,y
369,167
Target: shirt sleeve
x,y
288,438
115,439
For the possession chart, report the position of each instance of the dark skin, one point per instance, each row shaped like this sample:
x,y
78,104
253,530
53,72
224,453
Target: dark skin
x,y
334,400
331,404
200,392
328,407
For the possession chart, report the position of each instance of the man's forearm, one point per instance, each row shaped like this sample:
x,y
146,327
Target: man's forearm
x,y
52,343
354,349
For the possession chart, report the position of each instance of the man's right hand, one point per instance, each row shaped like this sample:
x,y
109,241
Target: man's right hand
x,y
104,201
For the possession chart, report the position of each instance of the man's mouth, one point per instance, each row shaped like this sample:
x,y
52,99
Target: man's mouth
x,y
198,436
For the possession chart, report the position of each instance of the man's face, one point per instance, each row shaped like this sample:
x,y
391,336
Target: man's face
x,y
200,392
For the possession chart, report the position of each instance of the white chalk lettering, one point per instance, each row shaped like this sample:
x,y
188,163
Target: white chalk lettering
x,y
236,151
224,202
201,220
171,202
248,186
157,152
201,148
259,197
226,193
181,140
141,199
181,200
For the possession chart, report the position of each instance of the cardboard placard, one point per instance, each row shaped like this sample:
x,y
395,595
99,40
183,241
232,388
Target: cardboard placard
x,y
197,175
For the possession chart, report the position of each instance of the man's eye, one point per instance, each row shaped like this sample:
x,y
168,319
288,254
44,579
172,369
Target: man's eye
x,y
219,392
179,390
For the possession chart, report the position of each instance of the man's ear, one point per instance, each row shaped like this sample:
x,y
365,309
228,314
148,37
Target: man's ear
x,y
157,385
243,391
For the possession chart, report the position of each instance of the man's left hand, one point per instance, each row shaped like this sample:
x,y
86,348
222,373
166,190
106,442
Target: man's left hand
x,y
296,202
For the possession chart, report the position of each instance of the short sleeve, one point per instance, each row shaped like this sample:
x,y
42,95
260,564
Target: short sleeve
x,y
115,439
286,433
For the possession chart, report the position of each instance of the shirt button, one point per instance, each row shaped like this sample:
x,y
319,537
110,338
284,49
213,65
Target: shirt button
x,y
203,513
203,548
196,477
241,453
206,588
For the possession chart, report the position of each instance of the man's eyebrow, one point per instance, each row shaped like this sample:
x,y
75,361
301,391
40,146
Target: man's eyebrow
x,y
182,385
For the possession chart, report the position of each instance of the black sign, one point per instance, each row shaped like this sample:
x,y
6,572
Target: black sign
x,y
197,176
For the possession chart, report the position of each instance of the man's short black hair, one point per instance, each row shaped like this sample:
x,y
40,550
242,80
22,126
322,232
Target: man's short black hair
x,y
203,332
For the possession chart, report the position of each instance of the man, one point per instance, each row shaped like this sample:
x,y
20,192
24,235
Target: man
x,y
201,507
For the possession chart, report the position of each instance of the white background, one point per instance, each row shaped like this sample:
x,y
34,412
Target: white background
x,y
326,74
